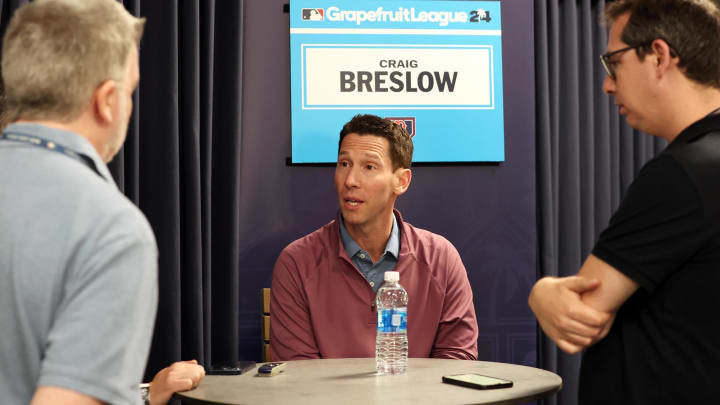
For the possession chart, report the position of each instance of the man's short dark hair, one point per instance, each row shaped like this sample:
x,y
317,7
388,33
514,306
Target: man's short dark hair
x,y
690,27
401,146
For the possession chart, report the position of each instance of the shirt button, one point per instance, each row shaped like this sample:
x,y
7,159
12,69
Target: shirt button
x,y
362,255
372,284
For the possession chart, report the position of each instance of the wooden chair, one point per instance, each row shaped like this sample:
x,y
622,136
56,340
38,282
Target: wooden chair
x,y
265,296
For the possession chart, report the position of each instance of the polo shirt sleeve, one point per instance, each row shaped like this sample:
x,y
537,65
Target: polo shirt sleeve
x,y
457,332
100,339
291,330
658,226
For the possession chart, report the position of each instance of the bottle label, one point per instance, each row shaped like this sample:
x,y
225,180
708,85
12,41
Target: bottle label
x,y
392,320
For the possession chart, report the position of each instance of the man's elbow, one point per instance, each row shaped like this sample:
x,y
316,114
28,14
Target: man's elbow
x,y
455,353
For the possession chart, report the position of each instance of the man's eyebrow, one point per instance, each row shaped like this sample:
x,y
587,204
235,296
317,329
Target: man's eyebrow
x,y
366,155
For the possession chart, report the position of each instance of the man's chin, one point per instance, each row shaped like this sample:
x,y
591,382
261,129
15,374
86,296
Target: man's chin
x,y
350,217
633,123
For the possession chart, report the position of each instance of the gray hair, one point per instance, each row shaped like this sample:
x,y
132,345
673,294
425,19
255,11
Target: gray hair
x,y
57,52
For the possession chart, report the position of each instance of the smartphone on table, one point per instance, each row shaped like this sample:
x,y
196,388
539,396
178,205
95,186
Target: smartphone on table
x,y
477,381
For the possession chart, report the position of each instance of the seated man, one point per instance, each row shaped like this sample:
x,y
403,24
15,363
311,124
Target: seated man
x,y
324,284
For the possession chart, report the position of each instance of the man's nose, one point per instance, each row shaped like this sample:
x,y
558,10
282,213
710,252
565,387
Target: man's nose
x,y
351,178
608,85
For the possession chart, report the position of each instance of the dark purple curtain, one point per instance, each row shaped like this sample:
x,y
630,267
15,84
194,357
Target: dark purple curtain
x,y
180,165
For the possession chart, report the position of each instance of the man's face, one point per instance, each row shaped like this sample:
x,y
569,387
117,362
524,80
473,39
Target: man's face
x,y
125,102
365,181
632,87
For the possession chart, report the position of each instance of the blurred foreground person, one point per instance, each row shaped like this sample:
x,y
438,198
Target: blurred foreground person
x,y
78,261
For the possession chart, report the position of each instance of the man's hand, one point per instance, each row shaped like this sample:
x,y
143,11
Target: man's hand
x,y
180,376
558,306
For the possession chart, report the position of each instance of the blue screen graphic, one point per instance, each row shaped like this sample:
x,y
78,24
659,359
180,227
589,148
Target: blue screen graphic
x,y
434,67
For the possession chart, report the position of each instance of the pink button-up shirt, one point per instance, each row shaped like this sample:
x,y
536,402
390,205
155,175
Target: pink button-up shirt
x,y
323,307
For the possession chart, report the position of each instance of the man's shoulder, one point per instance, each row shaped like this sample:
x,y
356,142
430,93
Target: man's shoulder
x,y
423,236
697,148
114,215
319,240
698,159
425,244
67,195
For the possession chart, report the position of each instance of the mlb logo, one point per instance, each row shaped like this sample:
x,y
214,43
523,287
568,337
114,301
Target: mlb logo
x,y
408,124
313,14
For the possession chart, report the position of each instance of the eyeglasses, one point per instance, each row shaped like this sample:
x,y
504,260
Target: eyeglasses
x,y
608,65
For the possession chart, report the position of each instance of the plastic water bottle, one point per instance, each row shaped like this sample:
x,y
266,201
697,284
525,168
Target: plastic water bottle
x,y
391,344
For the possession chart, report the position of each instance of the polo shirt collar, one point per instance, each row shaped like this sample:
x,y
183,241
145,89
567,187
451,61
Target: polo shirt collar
x,y
701,127
68,139
352,248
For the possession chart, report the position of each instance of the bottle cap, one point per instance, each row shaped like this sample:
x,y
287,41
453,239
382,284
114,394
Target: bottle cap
x,y
392,276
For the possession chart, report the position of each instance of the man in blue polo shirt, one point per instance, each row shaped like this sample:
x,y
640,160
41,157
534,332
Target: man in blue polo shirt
x,y
78,261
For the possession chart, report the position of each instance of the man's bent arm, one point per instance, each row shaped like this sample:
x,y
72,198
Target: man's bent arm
x,y
457,332
48,395
578,311
564,317
614,289
100,337
291,333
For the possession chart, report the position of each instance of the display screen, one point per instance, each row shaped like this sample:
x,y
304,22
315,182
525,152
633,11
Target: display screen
x,y
434,67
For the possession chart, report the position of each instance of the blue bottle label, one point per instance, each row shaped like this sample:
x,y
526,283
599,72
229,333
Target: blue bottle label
x,y
392,320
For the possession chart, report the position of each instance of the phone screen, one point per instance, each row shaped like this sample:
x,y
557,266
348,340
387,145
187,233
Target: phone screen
x,y
477,381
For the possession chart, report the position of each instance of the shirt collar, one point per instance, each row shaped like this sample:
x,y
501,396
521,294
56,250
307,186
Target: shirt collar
x,y
67,139
352,248
709,123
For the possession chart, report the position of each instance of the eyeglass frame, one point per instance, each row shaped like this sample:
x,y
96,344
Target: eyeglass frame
x,y
605,58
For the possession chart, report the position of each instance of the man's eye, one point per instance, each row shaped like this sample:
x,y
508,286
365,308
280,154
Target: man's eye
x,y
343,164
369,167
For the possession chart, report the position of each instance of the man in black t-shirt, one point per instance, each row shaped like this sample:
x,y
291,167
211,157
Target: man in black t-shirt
x,y
644,301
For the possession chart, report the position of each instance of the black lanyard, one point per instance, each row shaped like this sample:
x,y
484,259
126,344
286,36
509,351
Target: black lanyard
x,y
51,146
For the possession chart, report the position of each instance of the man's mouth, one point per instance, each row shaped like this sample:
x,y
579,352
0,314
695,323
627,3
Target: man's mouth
x,y
353,202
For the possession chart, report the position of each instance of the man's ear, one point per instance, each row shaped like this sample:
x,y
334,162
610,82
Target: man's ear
x,y
104,99
403,177
664,60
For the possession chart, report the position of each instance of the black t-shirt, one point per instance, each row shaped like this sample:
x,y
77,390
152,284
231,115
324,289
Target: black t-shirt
x,y
664,346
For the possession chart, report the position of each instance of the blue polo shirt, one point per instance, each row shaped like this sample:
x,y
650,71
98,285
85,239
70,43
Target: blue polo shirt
x,y
78,273
373,272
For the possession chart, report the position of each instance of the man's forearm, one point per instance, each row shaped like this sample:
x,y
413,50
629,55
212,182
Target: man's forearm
x,y
454,353
47,395
291,332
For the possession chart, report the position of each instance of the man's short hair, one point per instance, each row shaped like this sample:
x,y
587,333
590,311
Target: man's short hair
x,y
401,145
57,52
690,27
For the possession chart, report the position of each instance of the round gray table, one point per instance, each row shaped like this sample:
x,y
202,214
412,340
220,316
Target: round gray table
x,y
354,381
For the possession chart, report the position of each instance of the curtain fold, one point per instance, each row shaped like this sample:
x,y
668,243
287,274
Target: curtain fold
x,y
181,166
586,154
